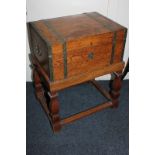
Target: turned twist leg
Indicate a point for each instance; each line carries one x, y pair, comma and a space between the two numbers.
53, 103
115, 89
37, 84
54, 111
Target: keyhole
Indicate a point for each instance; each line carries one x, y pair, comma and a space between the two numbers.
90, 55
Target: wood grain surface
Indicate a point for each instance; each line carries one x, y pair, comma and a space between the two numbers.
74, 45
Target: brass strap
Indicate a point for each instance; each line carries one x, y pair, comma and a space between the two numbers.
62, 40
124, 41
113, 48
109, 27
105, 25
50, 59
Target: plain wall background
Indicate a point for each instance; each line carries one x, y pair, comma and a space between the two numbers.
117, 10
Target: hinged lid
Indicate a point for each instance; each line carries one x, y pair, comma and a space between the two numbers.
70, 28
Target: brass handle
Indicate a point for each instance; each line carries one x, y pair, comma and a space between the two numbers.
37, 50
90, 55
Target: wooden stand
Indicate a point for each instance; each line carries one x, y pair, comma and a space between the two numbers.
50, 103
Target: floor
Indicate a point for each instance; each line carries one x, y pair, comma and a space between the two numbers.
103, 133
